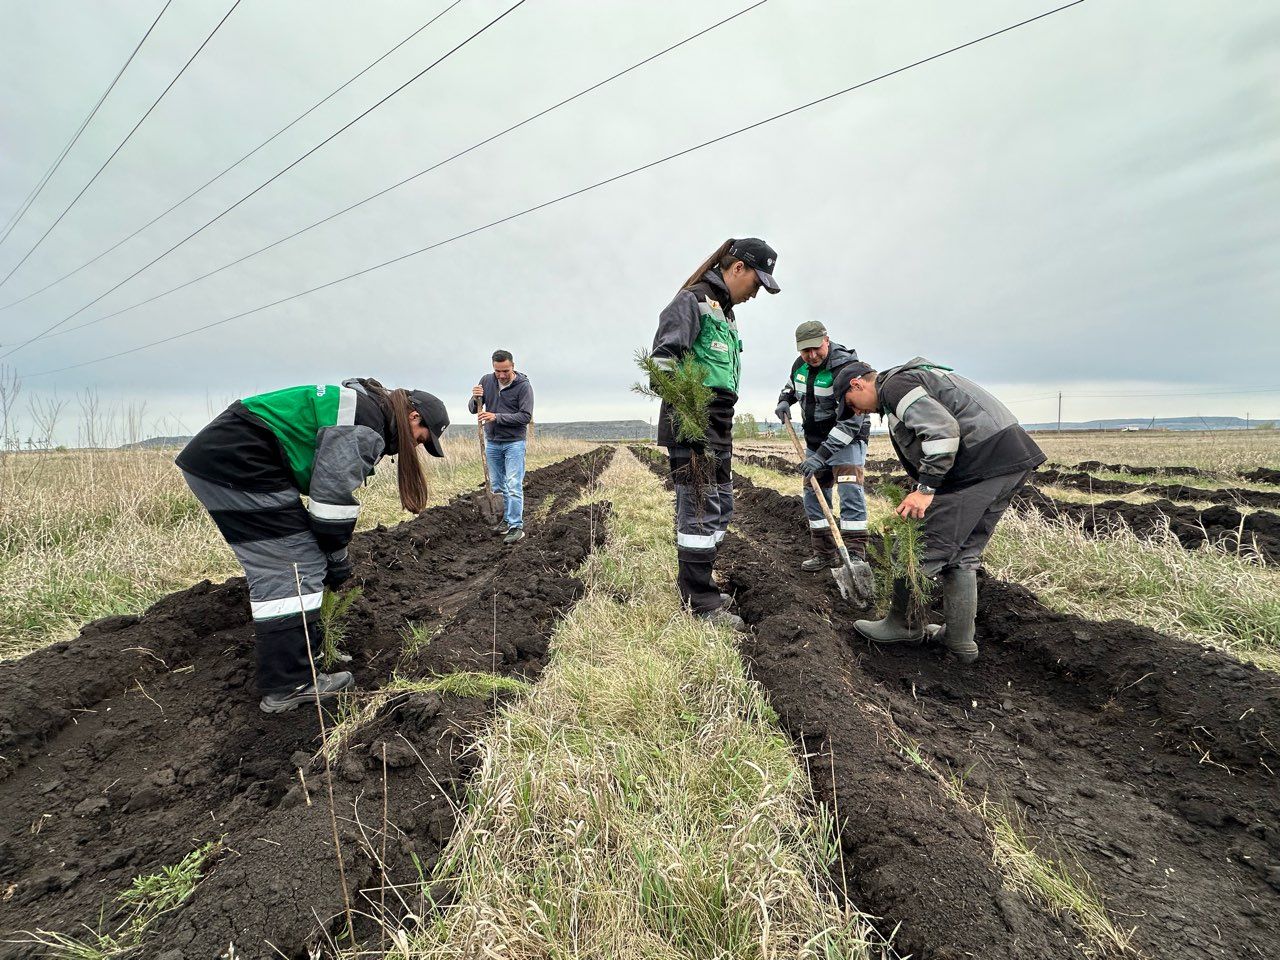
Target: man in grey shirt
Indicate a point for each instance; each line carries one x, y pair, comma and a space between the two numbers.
507, 399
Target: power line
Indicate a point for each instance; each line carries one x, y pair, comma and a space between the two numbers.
120, 146
16, 217
420, 173
224, 172
261, 186
566, 196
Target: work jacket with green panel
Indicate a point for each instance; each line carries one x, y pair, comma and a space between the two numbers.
322, 439
699, 321
826, 430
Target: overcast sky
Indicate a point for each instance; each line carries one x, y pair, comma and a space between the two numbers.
1088, 204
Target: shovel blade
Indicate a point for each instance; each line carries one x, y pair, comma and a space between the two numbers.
856, 582
489, 506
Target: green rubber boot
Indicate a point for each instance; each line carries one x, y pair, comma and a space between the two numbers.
960, 606
893, 628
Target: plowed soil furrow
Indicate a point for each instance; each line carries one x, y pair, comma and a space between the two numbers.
1237, 496
127, 747
1225, 525
1097, 466
1149, 761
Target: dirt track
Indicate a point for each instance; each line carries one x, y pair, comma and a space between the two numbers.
1146, 759
1222, 524
130, 745
1237, 496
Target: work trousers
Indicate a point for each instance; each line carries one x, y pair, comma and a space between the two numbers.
959, 523
271, 536
704, 507
842, 474
506, 473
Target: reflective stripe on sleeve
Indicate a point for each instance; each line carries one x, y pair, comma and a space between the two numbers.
333, 511
346, 407
267, 609
945, 445
840, 435
911, 397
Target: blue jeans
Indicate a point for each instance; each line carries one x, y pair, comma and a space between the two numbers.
506, 471
853, 502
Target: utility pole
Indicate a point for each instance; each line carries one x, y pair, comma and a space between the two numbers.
1059, 411
1246, 419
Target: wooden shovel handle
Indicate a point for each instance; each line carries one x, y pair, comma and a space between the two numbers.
822, 501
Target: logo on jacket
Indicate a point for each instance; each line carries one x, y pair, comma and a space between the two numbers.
719, 347
320, 388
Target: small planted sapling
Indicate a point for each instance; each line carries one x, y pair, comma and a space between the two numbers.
896, 560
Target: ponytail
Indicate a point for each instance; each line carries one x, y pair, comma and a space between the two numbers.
411, 476
720, 259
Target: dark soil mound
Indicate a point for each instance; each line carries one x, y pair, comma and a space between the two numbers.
126, 748
1231, 496
1097, 466
1223, 524
1262, 475
1146, 760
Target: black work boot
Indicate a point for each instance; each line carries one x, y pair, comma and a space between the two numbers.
825, 556
960, 607
894, 627
330, 685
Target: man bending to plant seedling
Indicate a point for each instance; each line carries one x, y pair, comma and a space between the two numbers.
968, 456
695, 368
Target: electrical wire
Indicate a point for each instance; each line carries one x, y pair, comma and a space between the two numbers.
16, 217
129, 135
271, 180
566, 196
401, 183
226, 170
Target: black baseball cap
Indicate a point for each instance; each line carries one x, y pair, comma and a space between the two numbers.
845, 376
760, 257
434, 417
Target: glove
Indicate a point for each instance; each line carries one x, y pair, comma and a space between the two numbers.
812, 464
783, 411
339, 571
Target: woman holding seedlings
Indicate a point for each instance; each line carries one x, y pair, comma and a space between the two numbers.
250, 466
700, 323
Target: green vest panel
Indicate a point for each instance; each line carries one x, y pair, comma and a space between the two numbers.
718, 348
296, 414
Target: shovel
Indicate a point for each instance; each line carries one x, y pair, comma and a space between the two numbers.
489, 504
855, 582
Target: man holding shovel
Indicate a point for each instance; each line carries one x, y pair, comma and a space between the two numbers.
503, 404
968, 456
837, 445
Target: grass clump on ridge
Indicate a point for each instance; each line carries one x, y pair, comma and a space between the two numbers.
640, 802
1223, 599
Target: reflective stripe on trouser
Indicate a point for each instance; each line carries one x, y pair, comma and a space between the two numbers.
703, 511
270, 533
959, 523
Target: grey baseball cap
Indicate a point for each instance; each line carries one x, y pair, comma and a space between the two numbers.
810, 334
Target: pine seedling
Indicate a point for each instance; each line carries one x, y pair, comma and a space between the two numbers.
682, 387
333, 623
896, 559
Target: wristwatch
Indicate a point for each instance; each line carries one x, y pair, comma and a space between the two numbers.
926, 490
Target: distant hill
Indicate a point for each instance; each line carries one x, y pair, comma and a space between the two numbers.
577, 430
1160, 423
597, 430
156, 443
